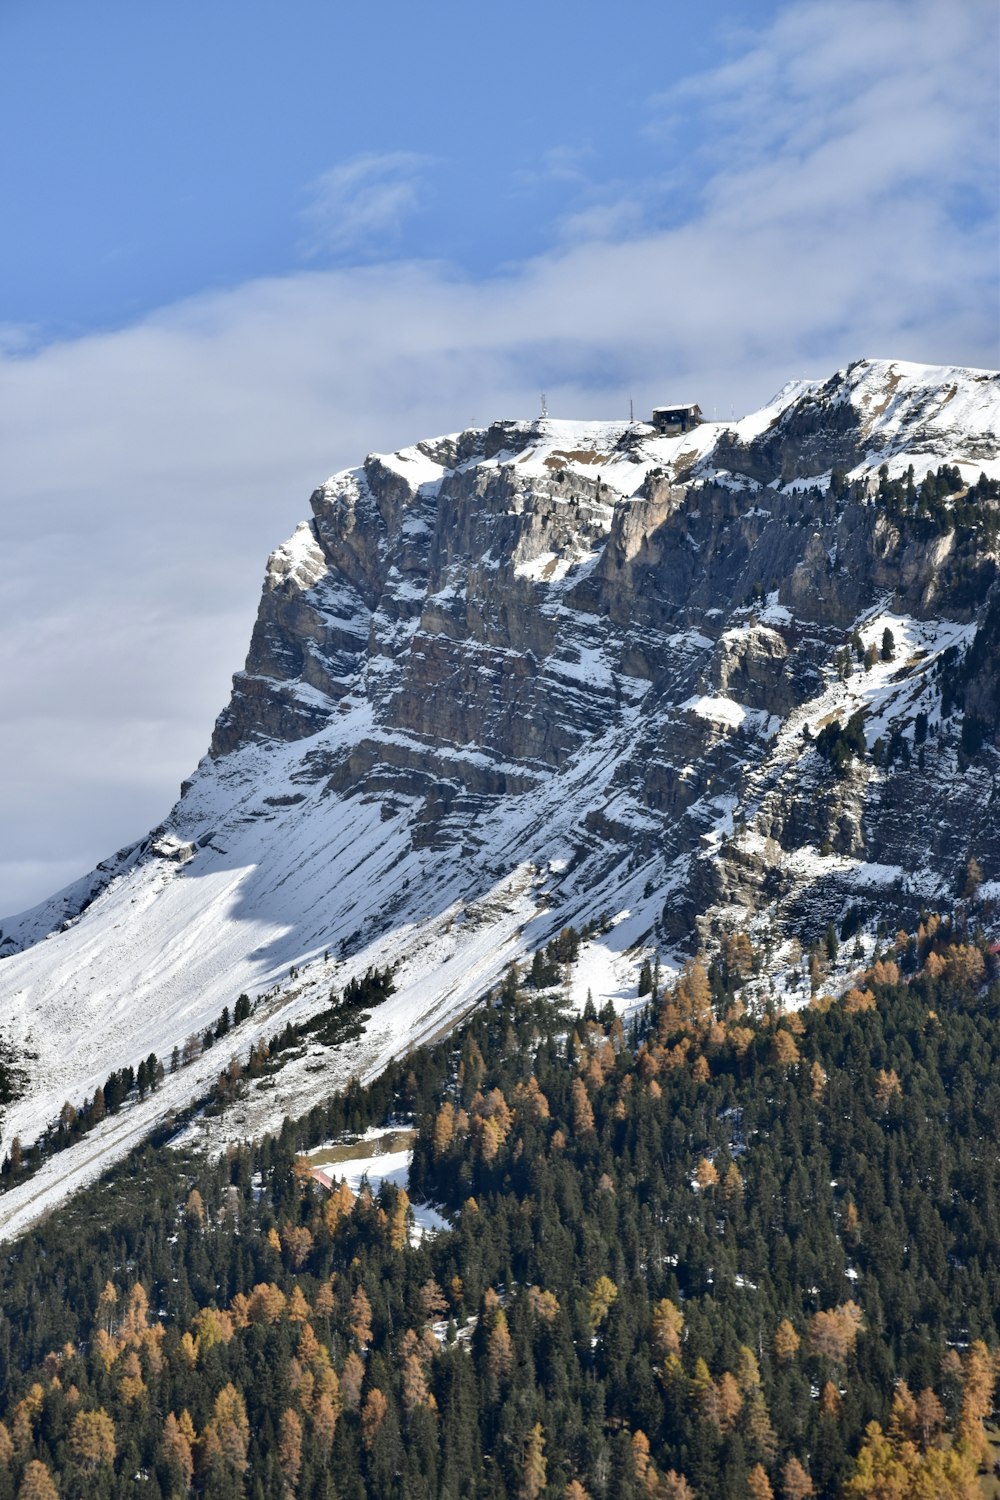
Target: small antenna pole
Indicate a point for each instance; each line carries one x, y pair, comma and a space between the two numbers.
631, 414
545, 409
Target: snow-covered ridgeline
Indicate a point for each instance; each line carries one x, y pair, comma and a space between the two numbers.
507, 680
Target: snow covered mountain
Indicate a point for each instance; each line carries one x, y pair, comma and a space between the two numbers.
539, 674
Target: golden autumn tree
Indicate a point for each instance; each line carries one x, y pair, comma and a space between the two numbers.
786, 1341
323, 1302
747, 1370
227, 1436
188, 1350
136, 1319
298, 1308
530, 1102
290, 1447
534, 1469
978, 1380
37, 1483
784, 1049
741, 1038
640, 1456
360, 1317
583, 1113
730, 1401
758, 1484
91, 1440
732, 1185
887, 1087
267, 1303
106, 1304
666, 1326
897, 1470
706, 1174
194, 1208
373, 1414
602, 1294
738, 954
693, 996
337, 1206
833, 1334
176, 1447
25, 1415
211, 1326
930, 1418
432, 1300
297, 1243
444, 1129
415, 1393
351, 1379
543, 1304
704, 1393
499, 1347
399, 1222
829, 1400
795, 1481
131, 1386
105, 1348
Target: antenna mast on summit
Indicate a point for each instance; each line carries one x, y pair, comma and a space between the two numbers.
545, 409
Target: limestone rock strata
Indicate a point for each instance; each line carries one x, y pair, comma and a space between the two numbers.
505, 598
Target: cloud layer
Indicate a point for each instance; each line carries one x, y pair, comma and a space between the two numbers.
834, 196
360, 205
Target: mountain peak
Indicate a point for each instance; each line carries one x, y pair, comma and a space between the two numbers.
551, 671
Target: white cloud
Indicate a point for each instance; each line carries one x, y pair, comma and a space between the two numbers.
562, 163
361, 204
842, 100
148, 471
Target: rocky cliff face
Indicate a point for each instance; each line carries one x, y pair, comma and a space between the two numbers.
507, 600
545, 671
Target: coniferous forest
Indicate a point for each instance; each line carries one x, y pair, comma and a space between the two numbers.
705, 1251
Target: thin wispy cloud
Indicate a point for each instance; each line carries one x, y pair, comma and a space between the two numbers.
361, 205
840, 211
564, 164
837, 104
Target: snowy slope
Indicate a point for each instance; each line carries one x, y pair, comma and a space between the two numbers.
510, 679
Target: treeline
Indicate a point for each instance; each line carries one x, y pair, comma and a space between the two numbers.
704, 1252
120, 1087
942, 502
342, 1021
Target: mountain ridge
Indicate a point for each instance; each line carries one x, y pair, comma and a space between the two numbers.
518, 677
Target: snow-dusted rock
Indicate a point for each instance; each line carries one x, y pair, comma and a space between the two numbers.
521, 676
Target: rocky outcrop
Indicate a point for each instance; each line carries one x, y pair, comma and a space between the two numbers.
505, 599
590, 638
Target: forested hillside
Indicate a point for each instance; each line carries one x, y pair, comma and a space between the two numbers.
697, 1252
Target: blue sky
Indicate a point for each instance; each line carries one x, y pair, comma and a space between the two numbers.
243, 244
155, 151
